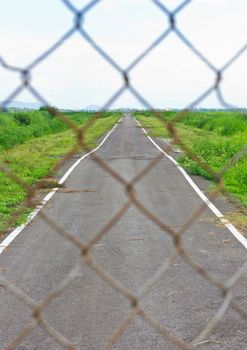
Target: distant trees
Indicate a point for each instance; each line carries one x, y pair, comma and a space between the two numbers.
51, 110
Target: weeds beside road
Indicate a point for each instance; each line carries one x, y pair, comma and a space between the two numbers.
215, 136
32, 157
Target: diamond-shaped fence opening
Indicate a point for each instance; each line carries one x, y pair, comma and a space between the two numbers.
82, 15
146, 77
97, 74
119, 46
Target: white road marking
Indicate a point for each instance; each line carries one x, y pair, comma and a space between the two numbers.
210, 205
6, 242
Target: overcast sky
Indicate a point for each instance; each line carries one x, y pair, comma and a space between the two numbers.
171, 76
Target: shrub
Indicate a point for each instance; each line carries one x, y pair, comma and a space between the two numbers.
22, 118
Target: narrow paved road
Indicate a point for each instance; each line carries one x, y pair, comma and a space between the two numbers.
88, 311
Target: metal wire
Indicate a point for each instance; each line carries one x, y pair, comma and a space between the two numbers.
226, 289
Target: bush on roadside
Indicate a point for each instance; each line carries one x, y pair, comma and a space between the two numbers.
22, 118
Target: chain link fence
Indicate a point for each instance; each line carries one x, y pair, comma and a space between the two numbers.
37, 309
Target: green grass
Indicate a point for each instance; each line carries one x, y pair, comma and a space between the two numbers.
215, 136
18, 127
33, 160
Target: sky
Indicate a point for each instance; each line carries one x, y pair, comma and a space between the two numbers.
171, 76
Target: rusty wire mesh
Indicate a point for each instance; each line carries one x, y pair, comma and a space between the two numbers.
37, 309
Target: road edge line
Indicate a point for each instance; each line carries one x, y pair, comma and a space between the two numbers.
11, 236
204, 198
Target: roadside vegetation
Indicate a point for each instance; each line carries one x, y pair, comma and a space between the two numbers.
31, 143
215, 136
17, 127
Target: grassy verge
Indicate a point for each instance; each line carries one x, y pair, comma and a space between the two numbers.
214, 136
34, 159
17, 127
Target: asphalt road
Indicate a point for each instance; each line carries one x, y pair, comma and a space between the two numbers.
88, 311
